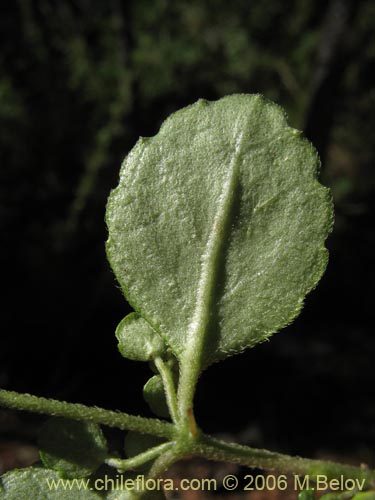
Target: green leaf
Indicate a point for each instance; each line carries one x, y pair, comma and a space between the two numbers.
73, 448
217, 227
154, 394
137, 340
35, 483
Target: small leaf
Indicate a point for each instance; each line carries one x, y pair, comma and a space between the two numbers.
35, 483
217, 227
154, 394
137, 340
74, 449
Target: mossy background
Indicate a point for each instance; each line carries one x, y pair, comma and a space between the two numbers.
79, 82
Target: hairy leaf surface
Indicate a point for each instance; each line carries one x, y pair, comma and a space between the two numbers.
153, 392
73, 448
35, 483
137, 340
217, 227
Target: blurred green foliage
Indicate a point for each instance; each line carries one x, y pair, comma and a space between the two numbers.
80, 80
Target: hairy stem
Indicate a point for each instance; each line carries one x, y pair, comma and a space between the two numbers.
169, 388
142, 458
202, 445
165, 460
16, 401
216, 449
160, 465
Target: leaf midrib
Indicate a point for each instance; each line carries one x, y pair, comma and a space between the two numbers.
191, 361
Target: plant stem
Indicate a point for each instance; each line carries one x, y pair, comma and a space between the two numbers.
14, 400
142, 458
169, 388
160, 465
165, 460
203, 445
216, 449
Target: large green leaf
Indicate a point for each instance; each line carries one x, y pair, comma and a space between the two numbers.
217, 227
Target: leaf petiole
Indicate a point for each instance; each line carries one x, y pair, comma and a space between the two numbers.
169, 388
131, 463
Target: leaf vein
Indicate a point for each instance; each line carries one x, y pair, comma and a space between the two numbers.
208, 275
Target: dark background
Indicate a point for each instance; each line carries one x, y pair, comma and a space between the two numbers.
79, 82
